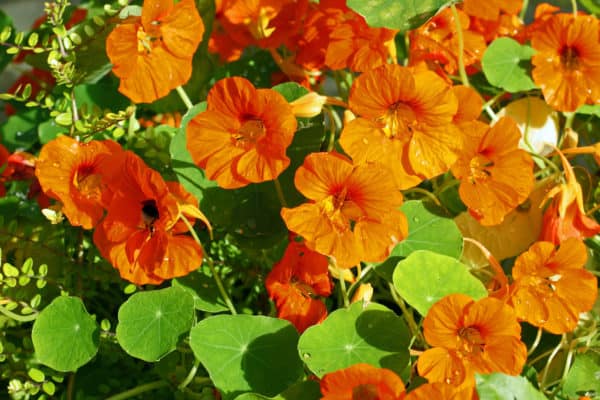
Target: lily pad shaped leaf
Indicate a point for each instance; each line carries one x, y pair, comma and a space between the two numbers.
371, 334
425, 277
307, 390
64, 335
503, 66
247, 353
498, 386
151, 322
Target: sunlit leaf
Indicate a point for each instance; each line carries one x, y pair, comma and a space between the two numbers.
498, 386
505, 65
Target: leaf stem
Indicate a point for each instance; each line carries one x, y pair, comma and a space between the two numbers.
408, 317
574, 5
184, 97
279, 191
146, 387
461, 47
343, 288
211, 265
190, 377
536, 342
332, 127
18, 317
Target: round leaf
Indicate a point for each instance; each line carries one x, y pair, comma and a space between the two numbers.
503, 65
151, 322
425, 277
374, 335
64, 335
394, 14
499, 386
203, 290
583, 375
244, 353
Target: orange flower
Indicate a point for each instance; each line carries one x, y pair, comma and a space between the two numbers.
405, 123
296, 281
437, 42
71, 172
243, 135
470, 337
551, 287
496, 176
152, 54
565, 217
141, 234
442, 391
567, 61
491, 9
364, 382
353, 212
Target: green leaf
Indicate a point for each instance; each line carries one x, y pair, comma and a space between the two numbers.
103, 94
506, 65
393, 14
593, 6
151, 322
49, 130
307, 390
291, 90
499, 386
36, 375
49, 388
426, 231
373, 334
584, 375
19, 132
204, 291
425, 277
589, 109
92, 60
5, 23
64, 335
244, 353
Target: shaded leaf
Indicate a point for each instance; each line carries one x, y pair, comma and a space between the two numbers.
584, 375
499, 386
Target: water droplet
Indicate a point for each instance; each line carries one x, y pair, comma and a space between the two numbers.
365, 140
18, 134
416, 219
158, 314
77, 327
306, 355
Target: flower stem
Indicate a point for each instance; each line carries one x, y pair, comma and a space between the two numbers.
332, 127
18, 317
408, 317
343, 289
574, 5
549, 362
524, 10
461, 47
190, 377
211, 265
280, 192
534, 346
146, 387
184, 97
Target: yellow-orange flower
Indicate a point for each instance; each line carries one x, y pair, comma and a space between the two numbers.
243, 135
405, 122
296, 281
71, 172
442, 391
551, 287
364, 382
496, 176
353, 212
152, 54
567, 60
470, 337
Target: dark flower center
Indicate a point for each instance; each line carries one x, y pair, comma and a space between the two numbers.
149, 213
366, 391
569, 57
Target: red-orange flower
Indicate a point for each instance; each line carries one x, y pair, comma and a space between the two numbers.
142, 234
352, 214
152, 54
406, 123
551, 287
496, 176
243, 135
442, 391
71, 172
491, 9
470, 337
567, 60
295, 283
364, 382
565, 216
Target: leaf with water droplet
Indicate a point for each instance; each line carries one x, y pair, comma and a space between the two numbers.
64, 335
151, 322
499, 386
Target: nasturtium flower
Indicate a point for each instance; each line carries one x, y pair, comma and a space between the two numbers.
491, 9
496, 176
362, 382
71, 172
442, 391
565, 217
352, 214
551, 286
567, 60
296, 282
405, 121
243, 135
142, 234
469, 337
152, 54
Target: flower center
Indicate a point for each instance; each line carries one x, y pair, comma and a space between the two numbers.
569, 57
88, 182
366, 391
399, 121
249, 133
149, 214
479, 167
259, 28
146, 40
305, 289
472, 342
